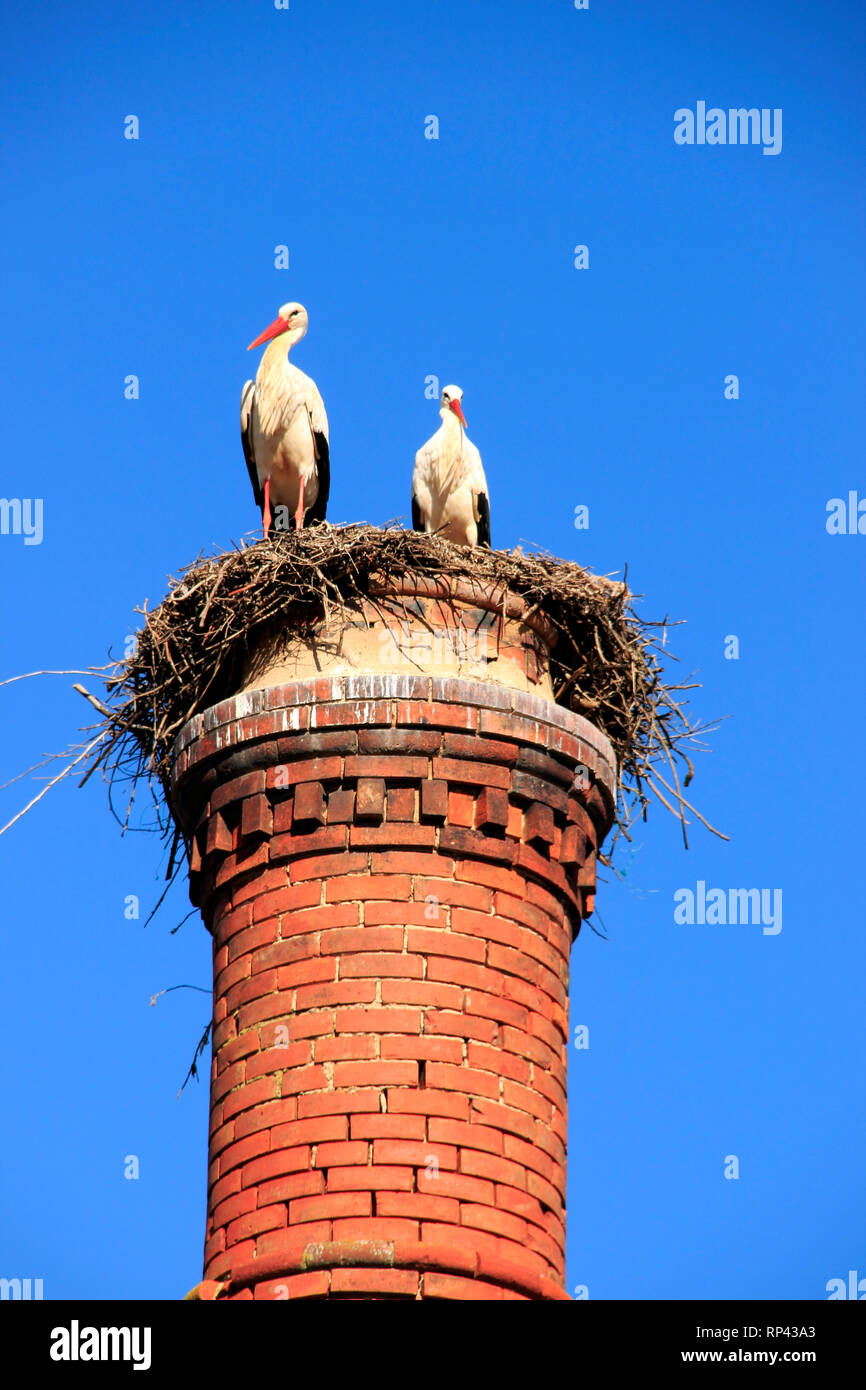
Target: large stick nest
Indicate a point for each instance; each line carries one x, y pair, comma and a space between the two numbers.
608, 664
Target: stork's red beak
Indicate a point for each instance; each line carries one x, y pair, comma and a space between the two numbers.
458, 411
272, 331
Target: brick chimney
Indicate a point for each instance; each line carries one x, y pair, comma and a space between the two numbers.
392, 832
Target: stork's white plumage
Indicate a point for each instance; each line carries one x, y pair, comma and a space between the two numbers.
284, 429
449, 489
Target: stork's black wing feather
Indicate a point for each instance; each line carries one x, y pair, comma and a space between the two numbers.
417, 522
317, 512
483, 519
247, 442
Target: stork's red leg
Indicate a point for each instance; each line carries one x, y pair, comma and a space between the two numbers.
299, 514
266, 510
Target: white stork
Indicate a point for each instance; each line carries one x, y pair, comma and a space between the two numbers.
284, 428
449, 489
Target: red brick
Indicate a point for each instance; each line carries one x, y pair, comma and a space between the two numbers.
377, 1228
456, 1185
330, 1206
250, 940
371, 1177
461, 808
255, 1222
344, 1152
219, 837
256, 817
545, 1193
309, 804
421, 992
352, 712
434, 800
388, 1126
400, 803
226, 924
418, 1155
341, 992
457, 771
274, 1165
427, 1101
379, 1020
341, 806
398, 741
313, 1131
230, 1208
245, 1097
466, 973
497, 1060
242, 1151
396, 834
314, 1284
348, 939
306, 972
473, 1136
325, 866
380, 964
418, 1206
464, 895
453, 1024
338, 1103
528, 1155
403, 914
444, 943
236, 789
376, 1073
340, 1049
497, 1169
422, 1049
392, 887
538, 824
502, 1117
437, 715
324, 918
467, 746
468, 1079
285, 1189
327, 769
455, 1288
487, 927
370, 798
498, 1222
520, 1202
390, 766
490, 1006
273, 1112
512, 962
309, 838
523, 1098
245, 991
225, 1187
375, 1281
491, 809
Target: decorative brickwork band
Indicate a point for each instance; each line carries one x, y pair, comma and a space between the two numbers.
393, 869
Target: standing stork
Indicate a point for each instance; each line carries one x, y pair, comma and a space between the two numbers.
449, 489
284, 428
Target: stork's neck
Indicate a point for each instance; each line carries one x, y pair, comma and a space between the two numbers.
278, 349
450, 422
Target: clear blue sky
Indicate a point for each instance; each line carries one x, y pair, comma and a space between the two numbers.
605, 387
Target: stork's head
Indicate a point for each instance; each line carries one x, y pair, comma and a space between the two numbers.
291, 319
450, 401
